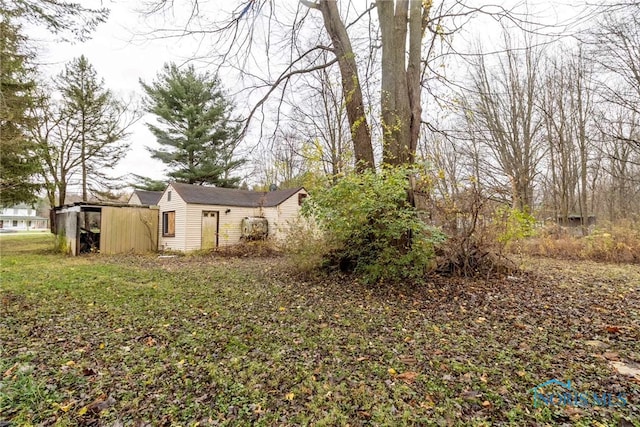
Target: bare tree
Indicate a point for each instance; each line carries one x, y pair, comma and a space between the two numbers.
57, 145
568, 111
320, 120
400, 37
616, 49
504, 112
619, 187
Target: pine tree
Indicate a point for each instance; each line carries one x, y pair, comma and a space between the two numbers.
17, 163
148, 184
97, 119
195, 129
61, 17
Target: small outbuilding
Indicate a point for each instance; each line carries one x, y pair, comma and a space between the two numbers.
144, 197
196, 217
575, 220
106, 228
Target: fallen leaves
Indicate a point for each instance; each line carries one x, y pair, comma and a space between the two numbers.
596, 343
470, 394
428, 403
10, 371
613, 329
627, 368
408, 377
227, 354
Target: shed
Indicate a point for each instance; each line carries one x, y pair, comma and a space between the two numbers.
107, 228
196, 217
144, 197
575, 220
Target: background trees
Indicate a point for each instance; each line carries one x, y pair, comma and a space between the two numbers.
17, 164
552, 130
63, 18
195, 126
80, 134
20, 157
97, 119
503, 102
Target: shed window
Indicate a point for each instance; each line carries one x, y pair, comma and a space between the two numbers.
169, 224
168, 196
301, 197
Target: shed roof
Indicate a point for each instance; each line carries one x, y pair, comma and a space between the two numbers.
202, 195
148, 197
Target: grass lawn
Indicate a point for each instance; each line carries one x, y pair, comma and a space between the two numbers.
206, 340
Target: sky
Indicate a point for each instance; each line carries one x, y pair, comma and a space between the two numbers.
122, 52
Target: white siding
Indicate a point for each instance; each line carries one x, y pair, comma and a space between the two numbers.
188, 232
135, 200
18, 212
228, 226
288, 213
178, 242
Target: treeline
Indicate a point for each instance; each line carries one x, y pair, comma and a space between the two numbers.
549, 125
69, 132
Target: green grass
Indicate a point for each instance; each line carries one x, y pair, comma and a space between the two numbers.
241, 341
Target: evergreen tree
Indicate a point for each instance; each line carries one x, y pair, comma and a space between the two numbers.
98, 122
145, 183
61, 17
17, 163
196, 131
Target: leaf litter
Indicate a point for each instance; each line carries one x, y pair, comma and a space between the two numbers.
281, 350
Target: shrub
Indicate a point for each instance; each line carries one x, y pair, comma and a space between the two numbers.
477, 237
513, 224
620, 243
372, 229
306, 246
61, 245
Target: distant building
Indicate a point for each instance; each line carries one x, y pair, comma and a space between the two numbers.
22, 218
143, 197
576, 220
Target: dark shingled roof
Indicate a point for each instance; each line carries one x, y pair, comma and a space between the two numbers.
201, 195
148, 197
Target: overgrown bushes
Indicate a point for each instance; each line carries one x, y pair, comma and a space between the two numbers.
364, 224
371, 229
619, 243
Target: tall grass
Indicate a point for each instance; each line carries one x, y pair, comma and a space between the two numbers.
618, 243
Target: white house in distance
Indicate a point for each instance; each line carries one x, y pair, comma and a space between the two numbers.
22, 218
196, 217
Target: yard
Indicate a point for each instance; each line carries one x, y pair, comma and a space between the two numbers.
210, 340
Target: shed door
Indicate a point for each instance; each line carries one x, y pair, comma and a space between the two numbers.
209, 229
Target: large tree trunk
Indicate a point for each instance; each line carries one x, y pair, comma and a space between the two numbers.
401, 90
363, 148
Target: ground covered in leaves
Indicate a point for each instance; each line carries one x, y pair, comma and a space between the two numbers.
209, 340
